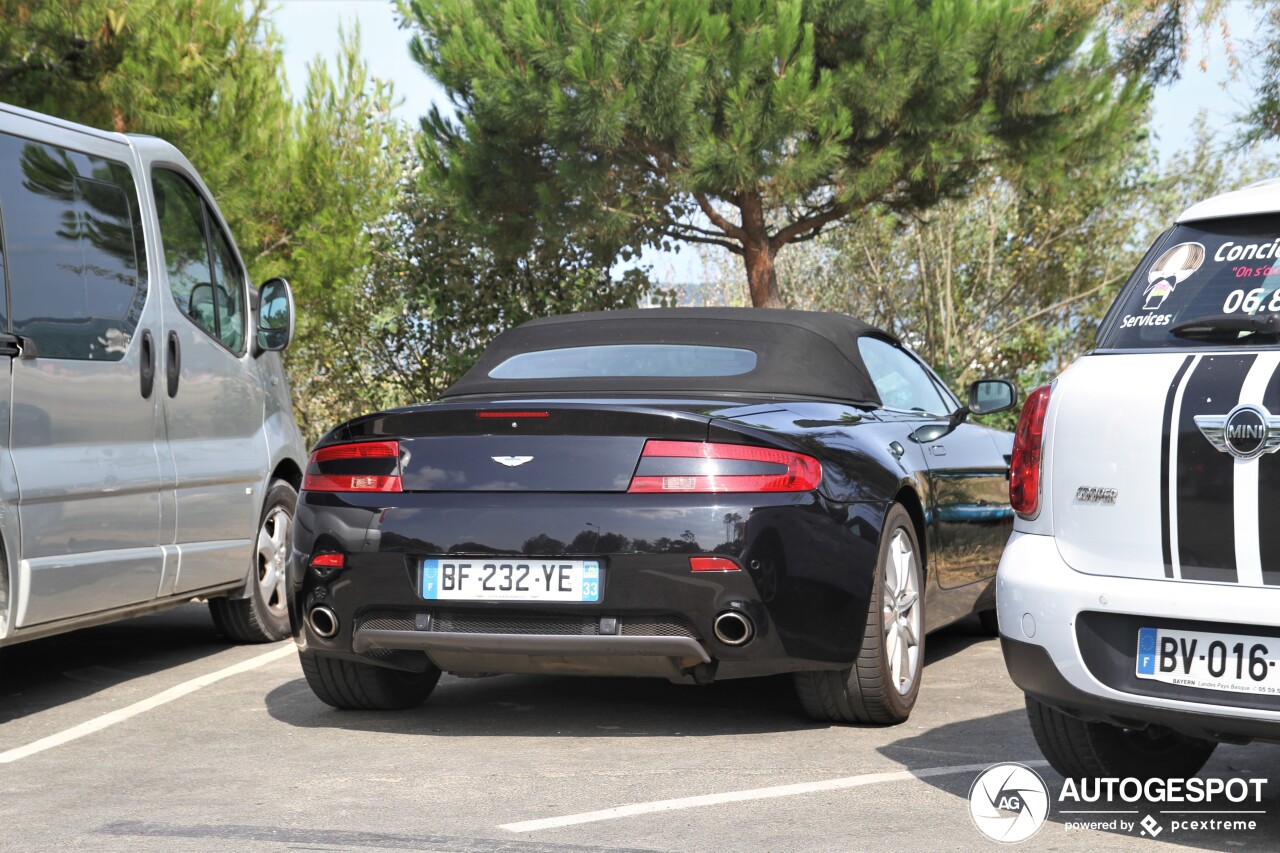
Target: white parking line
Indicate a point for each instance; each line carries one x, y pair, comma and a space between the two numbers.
110, 719
753, 794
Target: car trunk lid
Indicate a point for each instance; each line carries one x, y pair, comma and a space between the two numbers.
1139, 488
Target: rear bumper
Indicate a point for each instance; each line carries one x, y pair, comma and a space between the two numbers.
1069, 641
804, 582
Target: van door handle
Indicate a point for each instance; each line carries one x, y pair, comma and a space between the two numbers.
148, 366
173, 363
17, 345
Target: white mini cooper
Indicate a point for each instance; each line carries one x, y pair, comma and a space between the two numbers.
1139, 595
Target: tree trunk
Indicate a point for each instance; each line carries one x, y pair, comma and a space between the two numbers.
762, 277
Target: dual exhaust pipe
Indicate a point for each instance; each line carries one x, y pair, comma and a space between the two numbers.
322, 621
734, 628
731, 627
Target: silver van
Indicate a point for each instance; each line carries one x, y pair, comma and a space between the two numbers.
148, 451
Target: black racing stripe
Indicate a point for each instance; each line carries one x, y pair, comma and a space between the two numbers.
1269, 495
1165, 533
1205, 484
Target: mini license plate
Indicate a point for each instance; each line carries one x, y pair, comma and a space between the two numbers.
1209, 661
519, 579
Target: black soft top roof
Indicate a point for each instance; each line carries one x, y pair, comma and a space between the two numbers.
802, 353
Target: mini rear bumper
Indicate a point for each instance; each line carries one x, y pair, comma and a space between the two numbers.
1069, 639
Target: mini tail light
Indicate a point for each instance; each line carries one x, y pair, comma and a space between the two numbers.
366, 466
713, 564
1028, 441
698, 466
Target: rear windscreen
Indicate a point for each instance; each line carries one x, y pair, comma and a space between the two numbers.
1198, 270
672, 360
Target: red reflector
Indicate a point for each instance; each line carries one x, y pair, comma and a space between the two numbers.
803, 473
1028, 442
516, 415
713, 564
328, 561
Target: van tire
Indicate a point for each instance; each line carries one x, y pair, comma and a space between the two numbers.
352, 686
1080, 750
263, 615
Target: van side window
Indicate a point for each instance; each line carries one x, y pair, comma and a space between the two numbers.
204, 277
76, 256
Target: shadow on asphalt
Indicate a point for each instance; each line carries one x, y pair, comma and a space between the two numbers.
42, 674
561, 706
1007, 738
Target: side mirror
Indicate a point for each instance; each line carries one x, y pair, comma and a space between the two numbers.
988, 396
275, 315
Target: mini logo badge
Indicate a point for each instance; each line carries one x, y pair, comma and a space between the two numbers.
1246, 432
1009, 802
511, 461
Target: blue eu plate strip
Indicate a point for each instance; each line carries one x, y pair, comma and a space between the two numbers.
1146, 651
431, 579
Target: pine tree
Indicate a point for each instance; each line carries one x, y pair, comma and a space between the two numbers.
753, 124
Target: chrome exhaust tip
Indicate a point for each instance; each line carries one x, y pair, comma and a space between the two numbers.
733, 628
323, 621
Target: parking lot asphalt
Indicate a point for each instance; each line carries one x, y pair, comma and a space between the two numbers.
153, 734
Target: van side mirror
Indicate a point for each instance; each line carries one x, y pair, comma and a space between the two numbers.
988, 396
275, 315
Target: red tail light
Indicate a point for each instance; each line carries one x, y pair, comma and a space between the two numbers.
1024, 470
366, 466
713, 564
697, 466
513, 415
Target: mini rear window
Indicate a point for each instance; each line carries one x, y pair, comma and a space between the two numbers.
647, 360
1199, 270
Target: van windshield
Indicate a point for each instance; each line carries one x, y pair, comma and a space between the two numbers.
1221, 271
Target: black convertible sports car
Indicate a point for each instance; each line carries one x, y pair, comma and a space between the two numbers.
687, 493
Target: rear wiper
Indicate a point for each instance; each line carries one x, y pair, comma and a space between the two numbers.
1218, 325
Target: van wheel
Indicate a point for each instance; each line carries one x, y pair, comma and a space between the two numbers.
1080, 750
882, 685
351, 686
263, 616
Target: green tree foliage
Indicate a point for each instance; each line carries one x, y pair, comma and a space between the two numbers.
1002, 283
754, 124
299, 184
436, 300
1262, 120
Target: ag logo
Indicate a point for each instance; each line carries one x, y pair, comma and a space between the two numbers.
1009, 802
1246, 432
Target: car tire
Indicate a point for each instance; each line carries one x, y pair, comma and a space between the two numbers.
990, 622
351, 686
1080, 750
876, 689
263, 616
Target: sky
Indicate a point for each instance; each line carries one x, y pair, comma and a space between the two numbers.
311, 27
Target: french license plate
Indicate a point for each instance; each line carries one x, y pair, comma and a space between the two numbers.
1209, 661
518, 579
